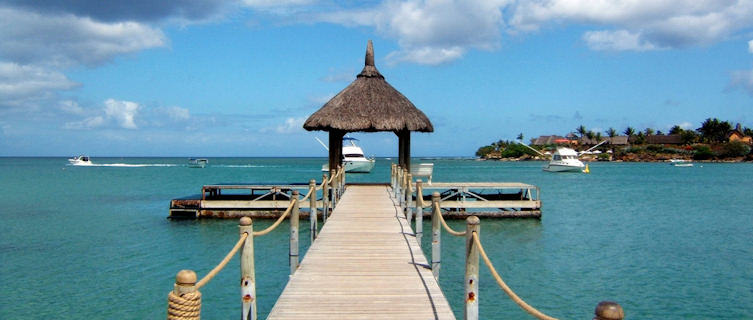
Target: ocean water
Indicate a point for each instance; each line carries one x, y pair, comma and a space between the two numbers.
94, 242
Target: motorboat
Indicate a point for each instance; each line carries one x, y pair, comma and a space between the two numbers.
353, 158
680, 163
81, 160
197, 162
565, 160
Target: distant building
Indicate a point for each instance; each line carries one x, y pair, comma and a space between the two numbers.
545, 140
664, 139
738, 135
618, 140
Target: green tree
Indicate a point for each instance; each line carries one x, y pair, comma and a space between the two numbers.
649, 131
520, 137
735, 149
713, 130
676, 130
611, 132
629, 131
581, 130
484, 151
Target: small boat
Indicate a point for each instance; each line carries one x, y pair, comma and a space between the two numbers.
197, 163
81, 160
680, 163
565, 160
353, 158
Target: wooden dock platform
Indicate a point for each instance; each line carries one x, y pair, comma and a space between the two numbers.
365, 264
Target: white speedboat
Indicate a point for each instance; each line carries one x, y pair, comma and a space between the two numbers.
81, 160
197, 163
353, 158
681, 163
565, 160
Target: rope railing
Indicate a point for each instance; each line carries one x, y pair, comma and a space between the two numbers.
605, 310
222, 263
515, 298
184, 301
277, 223
446, 227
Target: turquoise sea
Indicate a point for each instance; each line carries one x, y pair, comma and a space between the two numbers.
665, 242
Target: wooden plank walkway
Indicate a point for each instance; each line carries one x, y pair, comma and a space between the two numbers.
365, 264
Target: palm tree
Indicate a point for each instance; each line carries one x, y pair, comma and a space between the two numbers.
581, 130
520, 137
649, 131
675, 130
629, 131
611, 132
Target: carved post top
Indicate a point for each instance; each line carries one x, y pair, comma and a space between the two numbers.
608, 310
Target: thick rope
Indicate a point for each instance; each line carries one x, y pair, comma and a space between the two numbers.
277, 223
444, 224
185, 307
222, 264
307, 195
531, 310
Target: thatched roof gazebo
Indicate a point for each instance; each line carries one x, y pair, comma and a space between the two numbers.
368, 104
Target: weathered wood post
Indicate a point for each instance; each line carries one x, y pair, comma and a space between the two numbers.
392, 178
608, 310
436, 235
248, 273
398, 183
408, 197
184, 302
325, 198
342, 181
419, 212
294, 233
312, 209
471, 268
333, 187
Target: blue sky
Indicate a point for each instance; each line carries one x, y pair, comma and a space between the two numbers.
238, 78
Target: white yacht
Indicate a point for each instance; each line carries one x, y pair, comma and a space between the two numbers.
81, 160
565, 160
353, 158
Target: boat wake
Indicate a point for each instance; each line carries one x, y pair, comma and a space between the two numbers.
125, 165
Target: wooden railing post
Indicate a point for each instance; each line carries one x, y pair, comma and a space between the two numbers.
436, 235
325, 198
408, 197
294, 233
342, 180
608, 310
419, 212
184, 302
333, 187
471, 269
248, 273
398, 183
312, 209
392, 178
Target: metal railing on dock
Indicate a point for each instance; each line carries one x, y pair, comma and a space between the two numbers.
184, 302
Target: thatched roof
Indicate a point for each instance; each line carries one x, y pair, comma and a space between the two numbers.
369, 104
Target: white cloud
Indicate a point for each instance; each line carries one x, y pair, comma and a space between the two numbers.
71, 107
123, 112
177, 113
32, 38
750, 46
22, 84
619, 40
686, 125
640, 24
429, 32
291, 125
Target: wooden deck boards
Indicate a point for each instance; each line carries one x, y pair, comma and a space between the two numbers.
363, 267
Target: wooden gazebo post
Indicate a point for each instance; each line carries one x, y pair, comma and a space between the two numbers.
335, 148
404, 148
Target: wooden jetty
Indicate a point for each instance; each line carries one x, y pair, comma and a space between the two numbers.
363, 265
459, 200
